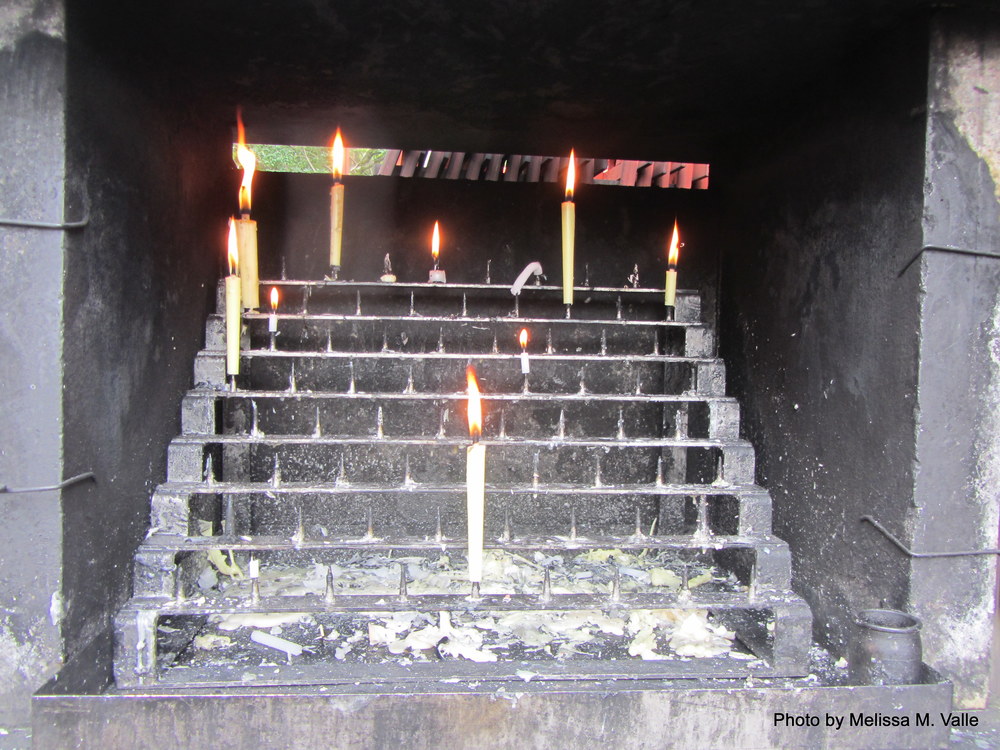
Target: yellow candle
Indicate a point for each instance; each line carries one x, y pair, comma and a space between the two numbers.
568, 231
475, 481
246, 229
233, 309
670, 288
337, 202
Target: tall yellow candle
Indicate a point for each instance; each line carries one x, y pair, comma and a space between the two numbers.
670, 287
568, 231
233, 310
246, 228
475, 481
336, 204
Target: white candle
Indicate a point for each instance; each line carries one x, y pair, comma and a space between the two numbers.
233, 303
670, 288
272, 319
254, 567
437, 275
475, 480
523, 338
273, 641
246, 228
568, 232
337, 201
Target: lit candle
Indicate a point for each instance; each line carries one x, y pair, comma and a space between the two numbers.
437, 275
670, 293
568, 231
233, 305
272, 319
336, 204
246, 228
523, 338
475, 482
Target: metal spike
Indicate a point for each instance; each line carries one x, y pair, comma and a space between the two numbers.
517, 306
179, 593
350, 385
407, 477
272, 345
300, 531
292, 385
638, 384
255, 590
616, 585
638, 521
489, 262
660, 480
341, 474
329, 339
378, 423
604, 342
569, 310
598, 480
503, 424
618, 307
586, 274
548, 342
305, 300
572, 523
357, 306
561, 427
276, 474
475, 595
703, 530
465, 307
546, 587
525, 386
402, 583
685, 576
229, 516
506, 535
208, 472
328, 592
634, 276
370, 532
283, 277
439, 531
656, 344
621, 424
413, 310
409, 381
720, 471
232, 383
583, 381
385, 341
496, 349
254, 424
441, 341
318, 429
534, 471
442, 422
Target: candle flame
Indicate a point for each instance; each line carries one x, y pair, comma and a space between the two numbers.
674, 247
337, 156
475, 405
247, 160
571, 175
523, 338
274, 298
234, 253
436, 241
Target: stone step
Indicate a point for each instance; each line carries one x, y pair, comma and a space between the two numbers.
424, 334
480, 300
243, 508
430, 415
603, 462
341, 372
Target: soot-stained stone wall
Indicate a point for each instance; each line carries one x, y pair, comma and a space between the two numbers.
820, 331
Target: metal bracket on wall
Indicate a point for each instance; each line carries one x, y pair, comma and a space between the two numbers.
5, 490
888, 535
65, 226
940, 249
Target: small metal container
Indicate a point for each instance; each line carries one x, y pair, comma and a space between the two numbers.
887, 650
